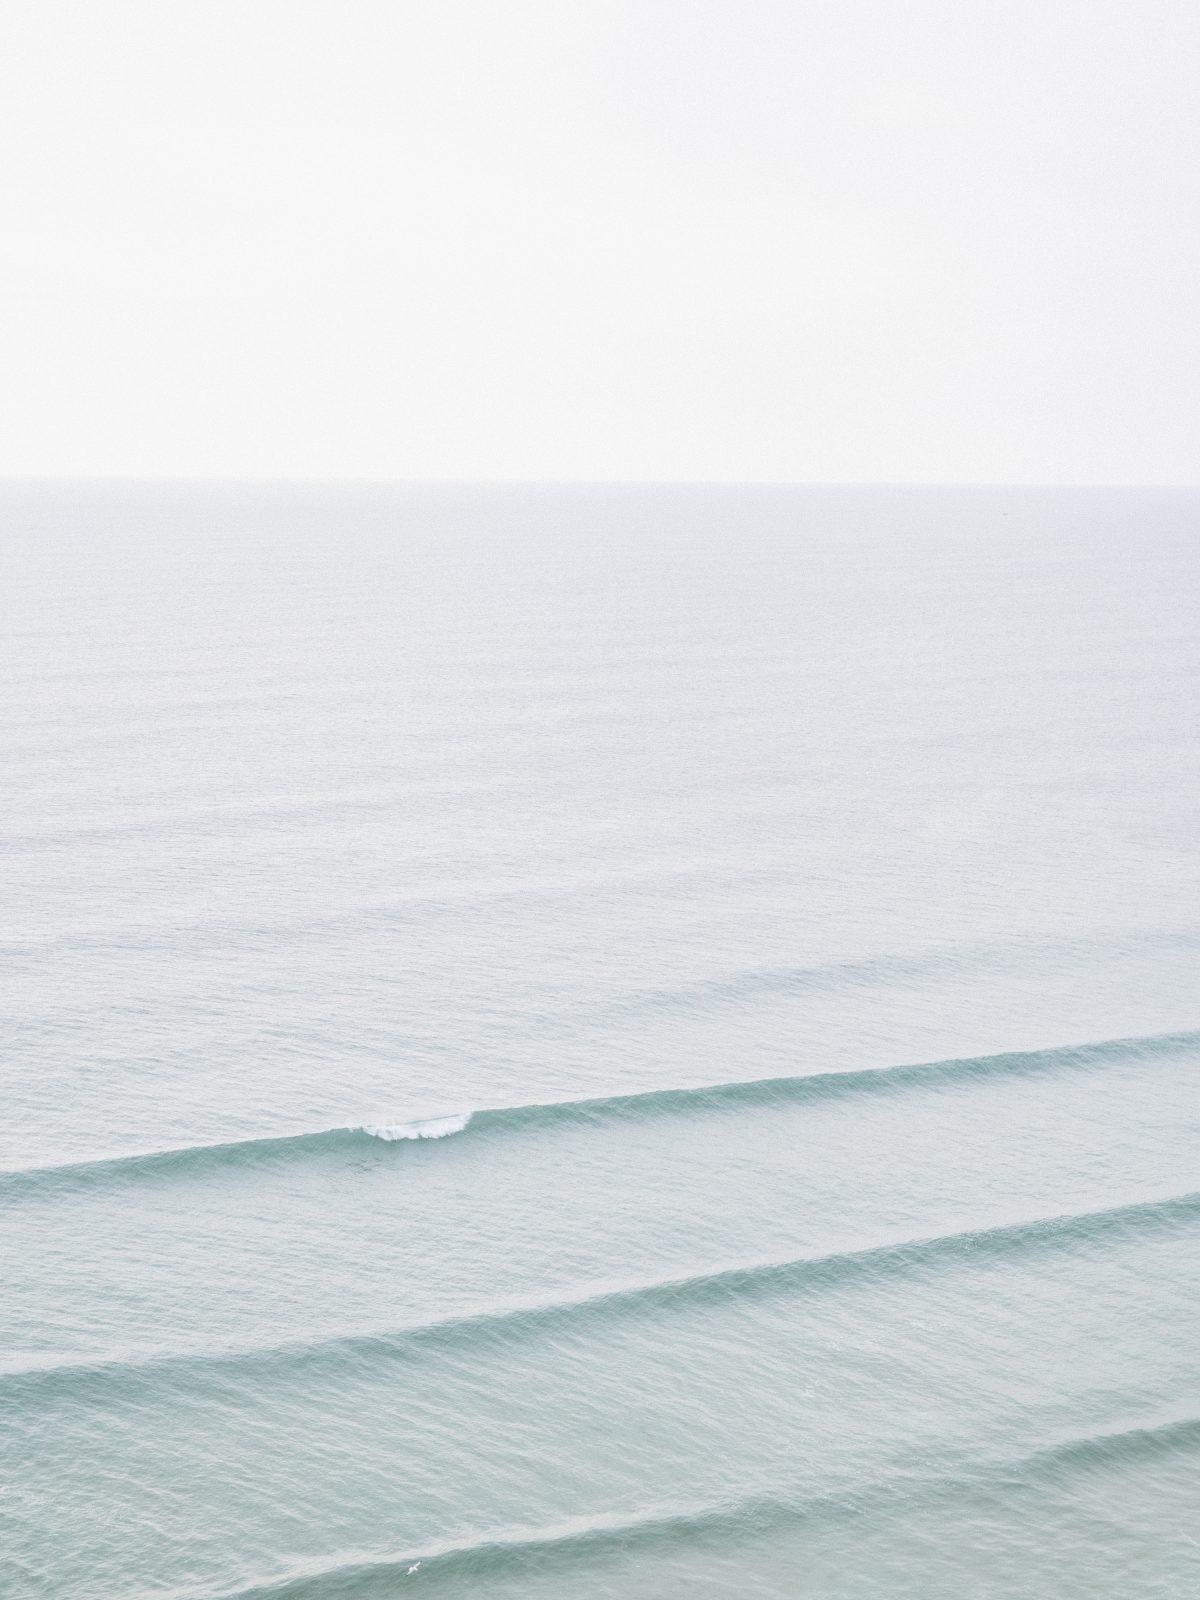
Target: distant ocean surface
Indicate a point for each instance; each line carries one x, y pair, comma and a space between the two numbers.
610, 1043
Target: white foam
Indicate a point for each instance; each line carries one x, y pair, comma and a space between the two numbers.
431, 1128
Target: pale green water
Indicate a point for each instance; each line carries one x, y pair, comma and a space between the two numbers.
798, 889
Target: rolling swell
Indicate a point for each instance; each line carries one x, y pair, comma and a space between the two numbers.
184, 1160
189, 1159
503, 1552
1127, 1444
506, 1553
342, 1354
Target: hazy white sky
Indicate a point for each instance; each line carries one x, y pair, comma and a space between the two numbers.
780, 239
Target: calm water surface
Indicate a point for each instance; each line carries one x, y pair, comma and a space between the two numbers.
599, 1042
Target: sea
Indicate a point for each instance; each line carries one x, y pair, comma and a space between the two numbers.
599, 1042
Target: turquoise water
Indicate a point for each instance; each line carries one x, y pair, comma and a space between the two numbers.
599, 1042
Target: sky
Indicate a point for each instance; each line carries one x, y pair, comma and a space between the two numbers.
781, 240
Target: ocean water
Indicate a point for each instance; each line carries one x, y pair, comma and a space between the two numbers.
599, 1042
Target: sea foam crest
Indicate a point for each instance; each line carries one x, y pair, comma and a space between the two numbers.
430, 1128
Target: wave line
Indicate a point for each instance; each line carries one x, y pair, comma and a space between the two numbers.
801, 1089
508, 1550
813, 1273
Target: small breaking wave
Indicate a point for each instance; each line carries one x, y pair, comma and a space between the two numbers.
430, 1128
607, 1109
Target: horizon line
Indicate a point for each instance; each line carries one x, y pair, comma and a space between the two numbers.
383, 481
